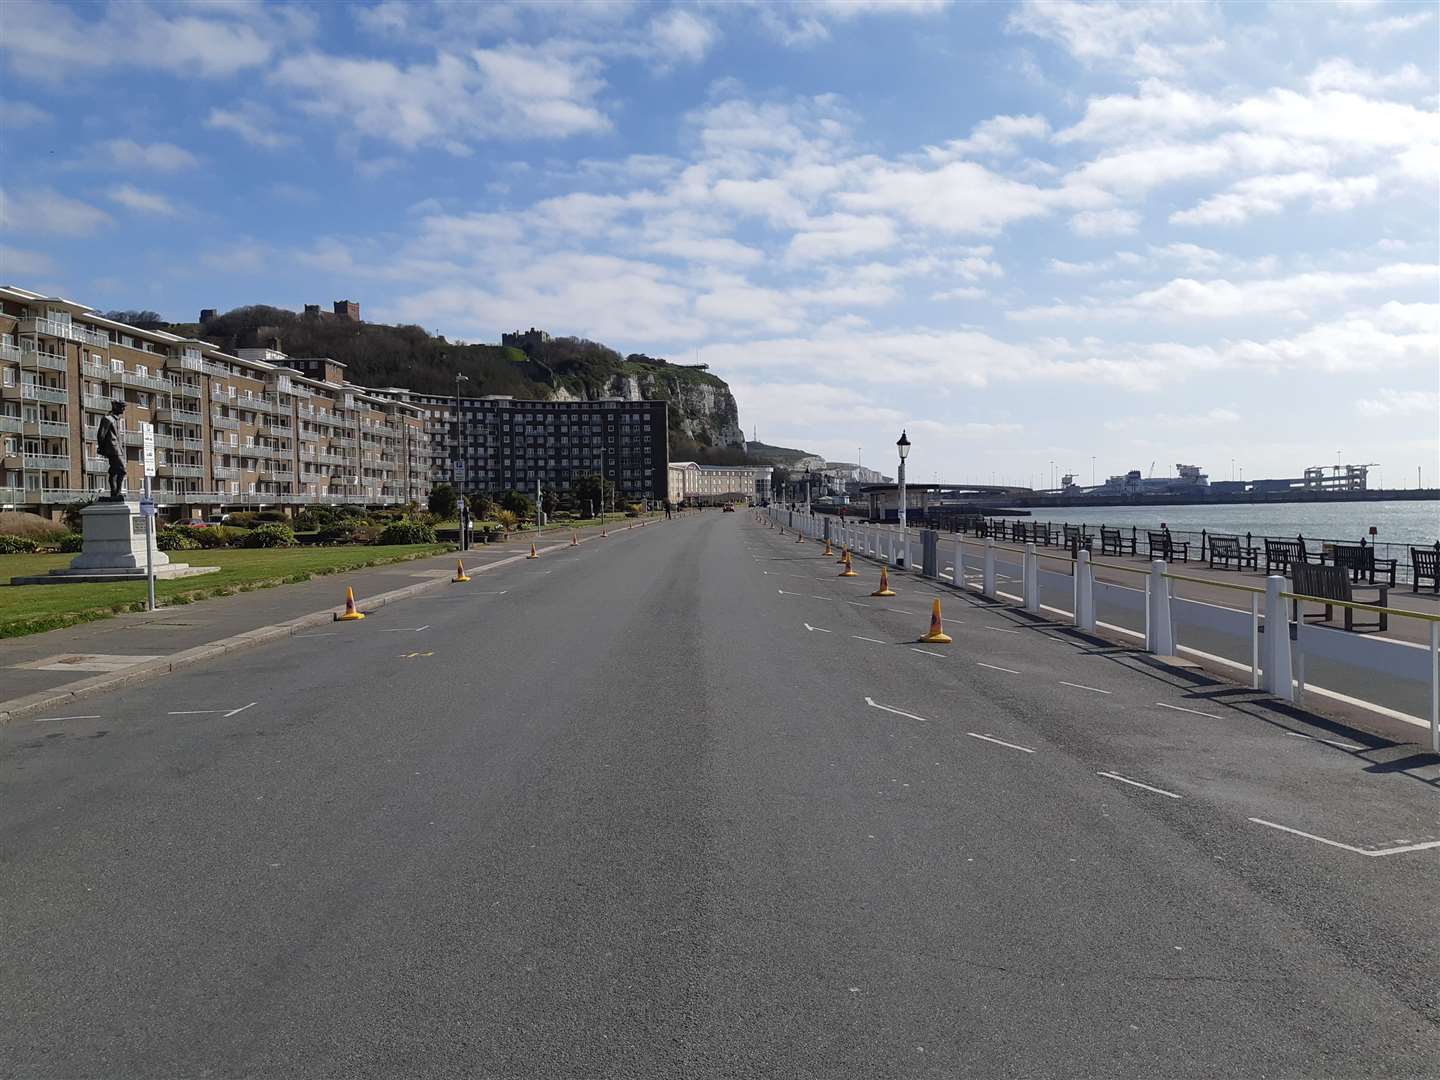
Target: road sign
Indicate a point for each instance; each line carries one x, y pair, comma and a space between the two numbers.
147, 506
147, 435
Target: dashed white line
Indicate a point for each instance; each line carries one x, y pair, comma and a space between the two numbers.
994, 667
1350, 847
1192, 712
873, 641
1001, 630
191, 712
820, 628
1082, 686
50, 719
927, 652
1137, 783
242, 708
1000, 742
898, 712
1328, 742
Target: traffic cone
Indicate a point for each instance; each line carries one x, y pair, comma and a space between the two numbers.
574, 538
844, 555
827, 550
799, 538
351, 612
533, 553
849, 570
937, 635
460, 574
884, 589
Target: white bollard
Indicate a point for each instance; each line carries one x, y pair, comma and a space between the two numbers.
890, 547
1030, 577
1084, 593
958, 569
1160, 633
988, 582
1278, 678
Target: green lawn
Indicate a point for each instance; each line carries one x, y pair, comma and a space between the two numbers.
29, 609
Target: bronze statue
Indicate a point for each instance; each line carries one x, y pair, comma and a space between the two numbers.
107, 441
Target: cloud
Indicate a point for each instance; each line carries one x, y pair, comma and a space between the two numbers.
840, 236
21, 114
1388, 402
144, 202
1104, 223
1339, 73
681, 34
26, 264
959, 197
1156, 39
44, 210
1169, 421
997, 135
807, 24
253, 123
1271, 194
1398, 24
132, 156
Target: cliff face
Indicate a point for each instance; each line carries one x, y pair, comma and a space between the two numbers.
702, 409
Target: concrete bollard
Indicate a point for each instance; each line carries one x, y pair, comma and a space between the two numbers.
1276, 653
1159, 632
988, 583
1030, 577
1084, 592
958, 567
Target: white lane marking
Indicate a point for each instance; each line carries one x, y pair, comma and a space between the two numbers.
1350, 847
49, 719
1001, 630
927, 652
191, 712
993, 667
327, 634
1082, 686
873, 641
1329, 742
856, 603
401, 630
1136, 783
425, 627
241, 709
1192, 712
814, 597
1000, 742
898, 712
820, 628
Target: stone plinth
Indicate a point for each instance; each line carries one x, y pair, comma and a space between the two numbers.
114, 550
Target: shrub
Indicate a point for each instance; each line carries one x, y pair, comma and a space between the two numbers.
408, 532
518, 504
443, 501
219, 536
272, 515
271, 534
243, 519
72, 542
18, 523
175, 538
508, 519
72, 513
348, 532
17, 545
633, 509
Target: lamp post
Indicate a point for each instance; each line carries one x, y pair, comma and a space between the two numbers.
903, 445
807, 490
457, 465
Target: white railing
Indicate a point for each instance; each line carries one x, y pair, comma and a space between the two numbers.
97, 402
173, 469
34, 392
46, 461
96, 465
229, 423
48, 360
10, 423
68, 330
13, 354
149, 382
179, 413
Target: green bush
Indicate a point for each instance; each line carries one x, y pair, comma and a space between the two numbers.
242, 519
71, 542
277, 516
272, 534
17, 545
348, 532
408, 532
72, 513
507, 519
175, 538
219, 536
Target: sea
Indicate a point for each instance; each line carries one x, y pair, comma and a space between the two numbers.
1400, 523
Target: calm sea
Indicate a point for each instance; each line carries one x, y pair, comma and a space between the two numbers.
1395, 522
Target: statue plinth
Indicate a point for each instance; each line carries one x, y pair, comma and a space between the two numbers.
114, 550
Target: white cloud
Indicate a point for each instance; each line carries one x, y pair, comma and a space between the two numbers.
44, 210
253, 123
1271, 194
997, 135
144, 202
1398, 24
1218, 417
21, 114
1338, 73
21, 263
1157, 39
1389, 402
1104, 223
959, 197
681, 34
840, 236
158, 157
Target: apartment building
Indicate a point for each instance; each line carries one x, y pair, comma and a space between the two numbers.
497, 444
690, 482
257, 429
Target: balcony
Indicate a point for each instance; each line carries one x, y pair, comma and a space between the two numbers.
224, 472
184, 389
191, 363
47, 429
227, 423
270, 472
96, 402
172, 469
10, 352
271, 427
177, 414
193, 445
48, 360
148, 382
94, 371
28, 391
11, 424
67, 330
96, 465
136, 438
47, 461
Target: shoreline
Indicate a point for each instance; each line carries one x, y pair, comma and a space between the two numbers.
1255, 498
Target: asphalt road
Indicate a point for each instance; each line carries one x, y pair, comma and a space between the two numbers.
683, 803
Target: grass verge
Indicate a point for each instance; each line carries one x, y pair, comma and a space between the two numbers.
33, 609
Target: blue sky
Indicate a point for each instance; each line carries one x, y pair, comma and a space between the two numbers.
1029, 233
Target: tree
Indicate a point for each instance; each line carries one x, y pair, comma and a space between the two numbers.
137, 318
592, 492
519, 505
443, 502
550, 501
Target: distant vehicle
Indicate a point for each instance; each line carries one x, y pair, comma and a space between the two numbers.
729, 508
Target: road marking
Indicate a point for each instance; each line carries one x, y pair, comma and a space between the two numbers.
898, 712
856, 603
873, 641
404, 629
191, 712
425, 627
814, 597
49, 719
413, 655
1192, 712
1330, 742
999, 742
927, 652
1082, 686
993, 667
820, 628
241, 709
1001, 630
1136, 783
327, 634
1349, 847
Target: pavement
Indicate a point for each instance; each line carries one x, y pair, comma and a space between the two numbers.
683, 803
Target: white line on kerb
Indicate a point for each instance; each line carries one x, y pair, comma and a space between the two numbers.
1136, 783
1350, 847
1082, 686
999, 742
873, 641
898, 712
994, 667
1328, 742
1192, 712
927, 652
48, 719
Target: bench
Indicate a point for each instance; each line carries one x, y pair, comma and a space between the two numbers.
1332, 583
1229, 549
1359, 559
1163, 547
1113, 542
1075, 537
1425, 563
1279, 554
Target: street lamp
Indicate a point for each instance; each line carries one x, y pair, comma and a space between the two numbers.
903, 445
458, 463
807, 489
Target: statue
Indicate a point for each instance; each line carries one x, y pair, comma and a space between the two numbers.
107, 441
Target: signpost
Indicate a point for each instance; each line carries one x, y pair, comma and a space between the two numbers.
147, 511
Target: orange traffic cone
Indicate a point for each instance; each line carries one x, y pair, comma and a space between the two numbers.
844, 555
827, 550
936, 635
884, 589
460, 574
799, 538
849, 570
574, 538
533, 553
351, 611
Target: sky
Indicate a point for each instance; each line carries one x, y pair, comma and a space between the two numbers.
1039, 237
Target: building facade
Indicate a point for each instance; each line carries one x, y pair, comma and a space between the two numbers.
689, 482
497, 444
257, 429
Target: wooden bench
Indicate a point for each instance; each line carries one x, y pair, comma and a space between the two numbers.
1279, 554
1163, 547
1360, 561
1425, 563
1075, 537
1229, 549
1332, 583
1114, 542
